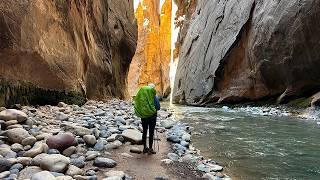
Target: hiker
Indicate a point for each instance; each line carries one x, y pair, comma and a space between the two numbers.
146, 105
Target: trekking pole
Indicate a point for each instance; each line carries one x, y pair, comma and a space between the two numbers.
156, 141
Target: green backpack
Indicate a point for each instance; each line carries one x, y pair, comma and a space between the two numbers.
144, 102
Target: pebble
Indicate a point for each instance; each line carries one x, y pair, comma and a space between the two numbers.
79, 162
37, 149
112, 138
36, 160
16, 147
4, 174
64, 178
135, 150
5, 165
29, 141
113, 173
11, 122
112, 178
173, 156
74, 170
91, 155
126, 155
69, 151
53, 151
90, 140
99, 146
55, 163
79, 177
167, 124
25, 161
43, 136
104, 162
27, 172
17, 166
77, 130
166, 161
43, 175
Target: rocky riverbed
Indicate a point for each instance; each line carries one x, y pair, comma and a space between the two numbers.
70, 142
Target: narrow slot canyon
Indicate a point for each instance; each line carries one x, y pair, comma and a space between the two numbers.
152, 60
159, 89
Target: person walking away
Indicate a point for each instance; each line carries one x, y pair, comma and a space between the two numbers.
146, 105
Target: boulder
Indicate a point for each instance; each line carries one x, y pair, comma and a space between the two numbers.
13, 114
61, 141
17, 135
55, 163
132, 135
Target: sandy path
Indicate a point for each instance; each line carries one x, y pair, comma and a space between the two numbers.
143, 166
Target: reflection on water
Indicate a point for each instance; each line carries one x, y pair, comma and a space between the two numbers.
257, 142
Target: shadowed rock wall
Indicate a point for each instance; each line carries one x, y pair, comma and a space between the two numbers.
65, 48
249, 50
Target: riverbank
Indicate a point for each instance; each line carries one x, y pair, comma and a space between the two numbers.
95, 141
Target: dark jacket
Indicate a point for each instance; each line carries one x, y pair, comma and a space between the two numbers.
156, 103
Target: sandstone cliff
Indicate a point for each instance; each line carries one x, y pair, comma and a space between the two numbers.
152, 58
65, 49
249, 50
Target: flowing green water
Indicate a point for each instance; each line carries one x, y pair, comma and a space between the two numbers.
256, 143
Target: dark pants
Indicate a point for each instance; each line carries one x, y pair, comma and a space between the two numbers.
150, 123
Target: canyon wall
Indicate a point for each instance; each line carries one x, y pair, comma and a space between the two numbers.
249, 50
65, 50
152, 58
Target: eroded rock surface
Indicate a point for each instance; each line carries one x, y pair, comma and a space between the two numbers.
52, 51
248, 50
151, 61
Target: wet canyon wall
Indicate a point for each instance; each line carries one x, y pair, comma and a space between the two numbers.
249, 50
65, 50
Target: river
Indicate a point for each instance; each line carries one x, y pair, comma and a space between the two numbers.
256, 142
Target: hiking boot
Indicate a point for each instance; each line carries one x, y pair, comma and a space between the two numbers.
151, 151
145, 150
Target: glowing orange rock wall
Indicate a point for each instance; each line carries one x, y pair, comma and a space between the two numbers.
152, 58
